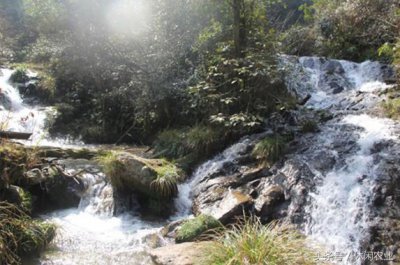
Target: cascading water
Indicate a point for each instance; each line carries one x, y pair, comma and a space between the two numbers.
338, 211
15, 115
337, 215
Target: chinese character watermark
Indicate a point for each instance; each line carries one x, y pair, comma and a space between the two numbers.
354, 256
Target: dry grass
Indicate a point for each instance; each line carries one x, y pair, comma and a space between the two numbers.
20, 235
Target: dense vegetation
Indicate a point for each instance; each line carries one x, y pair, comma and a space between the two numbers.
125, 71
186, 77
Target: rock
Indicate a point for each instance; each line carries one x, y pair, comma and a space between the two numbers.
54, 186
388, 74
135, 174
336, 88
332, 67
5, 102
233, 204
180, 254
270, 197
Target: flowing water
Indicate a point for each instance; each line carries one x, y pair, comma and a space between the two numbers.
337, 214
339, 209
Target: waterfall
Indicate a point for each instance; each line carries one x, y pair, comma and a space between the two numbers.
338, 212
213, 166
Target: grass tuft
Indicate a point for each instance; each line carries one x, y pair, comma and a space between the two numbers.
20, 235
270, 149
250, 242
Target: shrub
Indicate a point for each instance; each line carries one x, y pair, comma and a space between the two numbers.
192, 229
250, 242
19, 75
309, 126
189, 145
270, 149
20, 235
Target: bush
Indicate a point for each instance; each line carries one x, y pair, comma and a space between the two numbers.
20, 235
270, 149
192, 229
250, 242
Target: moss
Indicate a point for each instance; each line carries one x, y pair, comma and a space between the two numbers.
20, 235
250, 242
270, 149
392, 108
192, 229
15, 160
309, 126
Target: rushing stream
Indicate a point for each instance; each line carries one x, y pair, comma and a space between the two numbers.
338, 208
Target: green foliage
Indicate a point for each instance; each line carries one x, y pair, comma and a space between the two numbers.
270, 149
20, 235
354, 30
194, 228
250, 242
191, 144
309, 126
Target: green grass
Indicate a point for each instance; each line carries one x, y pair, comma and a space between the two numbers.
250, 242
20, 235
270, 149
192, 229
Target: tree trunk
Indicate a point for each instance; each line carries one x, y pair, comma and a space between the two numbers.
239, 28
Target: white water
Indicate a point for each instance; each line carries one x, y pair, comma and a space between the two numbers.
339, 207
184, 200
90, 234
338, 210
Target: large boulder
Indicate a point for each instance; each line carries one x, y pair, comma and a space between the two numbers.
154, 182
156, 178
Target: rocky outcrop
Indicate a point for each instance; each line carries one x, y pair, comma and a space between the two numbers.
180, 254
152, 182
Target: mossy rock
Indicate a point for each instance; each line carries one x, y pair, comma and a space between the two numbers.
194, 228
153, 178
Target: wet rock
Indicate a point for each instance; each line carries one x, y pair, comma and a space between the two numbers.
336, 88
180, 254
233, 204
270, 197
388, 74
332, 67
55, 186
5, 102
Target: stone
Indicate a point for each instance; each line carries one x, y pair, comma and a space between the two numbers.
232, 205
270, 197
180, 254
